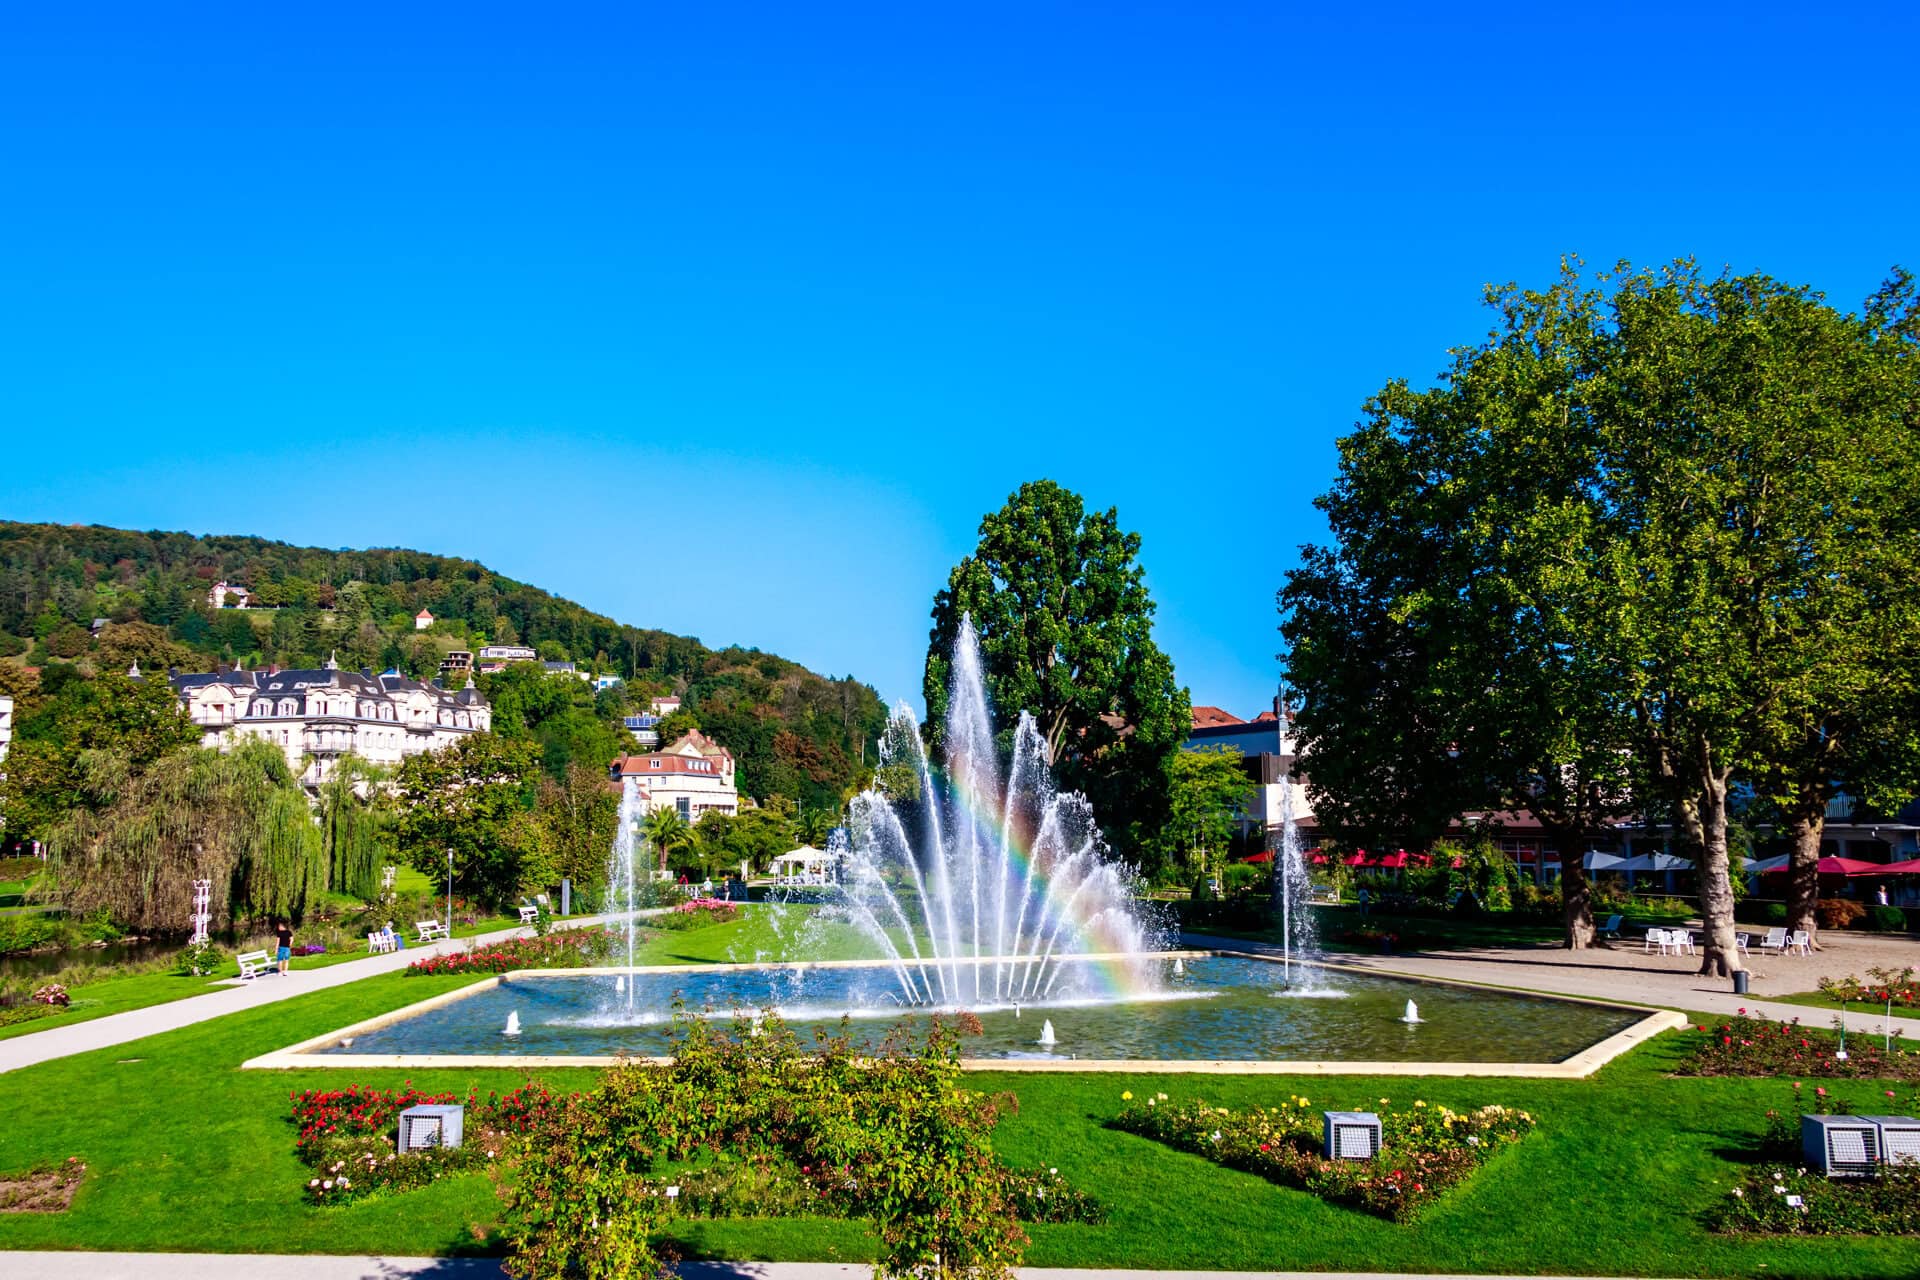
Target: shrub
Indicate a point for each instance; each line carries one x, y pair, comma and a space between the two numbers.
1424, 1150
54, 994
200, 961
1838, 913
1896, 987
1887, 919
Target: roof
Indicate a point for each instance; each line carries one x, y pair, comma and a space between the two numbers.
1207, 717
424, 613
659, 764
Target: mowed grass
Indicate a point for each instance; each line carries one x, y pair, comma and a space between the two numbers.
186, 1152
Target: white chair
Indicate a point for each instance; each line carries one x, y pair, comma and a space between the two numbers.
1656, 940
382, 941
1775, 940
1681, 941
1799, 942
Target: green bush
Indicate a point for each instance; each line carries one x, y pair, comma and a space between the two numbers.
1887, 919
27, 931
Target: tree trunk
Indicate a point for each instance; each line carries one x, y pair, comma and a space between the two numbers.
1576, 893
1803, 876
1720, 957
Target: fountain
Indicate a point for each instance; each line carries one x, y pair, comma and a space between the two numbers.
513, 1024
1047, 1037
1298, 937
623, 872
1412, 1015
977, 889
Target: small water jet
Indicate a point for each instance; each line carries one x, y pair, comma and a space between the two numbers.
513, 1024
1412, 1015
1047, 1038
623, 871
1179, 970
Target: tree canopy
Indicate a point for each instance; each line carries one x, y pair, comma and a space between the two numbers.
1653, 537
1059, 601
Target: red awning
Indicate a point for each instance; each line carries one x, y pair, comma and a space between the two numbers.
1258, 857
1911, 867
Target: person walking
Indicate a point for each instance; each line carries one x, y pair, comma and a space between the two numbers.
283, 933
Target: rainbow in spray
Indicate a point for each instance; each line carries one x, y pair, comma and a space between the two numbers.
987, 891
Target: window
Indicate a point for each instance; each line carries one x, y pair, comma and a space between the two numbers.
656, 762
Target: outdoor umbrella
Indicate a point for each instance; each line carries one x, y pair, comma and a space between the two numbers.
1834, 867
1598, 861
1764, 865
1655, 862
1258, 857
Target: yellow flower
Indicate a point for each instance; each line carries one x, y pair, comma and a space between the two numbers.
1418, 1103
1303, 1102
1126, 1095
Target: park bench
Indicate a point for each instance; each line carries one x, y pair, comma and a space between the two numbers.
430, 929
1324, 895
528, 914
255, 963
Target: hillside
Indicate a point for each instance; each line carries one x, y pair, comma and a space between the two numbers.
795, 733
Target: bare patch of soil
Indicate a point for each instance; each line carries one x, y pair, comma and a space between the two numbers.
45, 1189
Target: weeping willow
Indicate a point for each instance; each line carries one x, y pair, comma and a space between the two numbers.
354, 827
239, 819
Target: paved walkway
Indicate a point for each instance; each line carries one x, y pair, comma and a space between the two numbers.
137, 1024
1626, 973
240, 1266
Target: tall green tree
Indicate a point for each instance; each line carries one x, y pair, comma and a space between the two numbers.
1208, 791
667, 834
582, 814
356, 827
1642, 543
1059, 601
475, 798
137, 722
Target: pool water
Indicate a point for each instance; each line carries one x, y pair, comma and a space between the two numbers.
1218, 1008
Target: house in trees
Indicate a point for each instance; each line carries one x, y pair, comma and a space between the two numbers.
317, 716
1266, 749
694, 776
217, 596
422, 620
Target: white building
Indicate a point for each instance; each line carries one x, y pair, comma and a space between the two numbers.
422, 620
693, 776
6, 725
318, 716
1266, 750
666, 706
218, 593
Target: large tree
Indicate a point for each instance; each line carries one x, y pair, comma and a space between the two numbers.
1666, 530
475, 798
1208, 791
1059, 601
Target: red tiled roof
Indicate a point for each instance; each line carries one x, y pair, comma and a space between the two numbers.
660, 765
1208, 717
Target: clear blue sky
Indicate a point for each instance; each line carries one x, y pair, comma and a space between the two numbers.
733, 320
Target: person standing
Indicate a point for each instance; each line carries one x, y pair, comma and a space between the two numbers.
283, 933
1880, 895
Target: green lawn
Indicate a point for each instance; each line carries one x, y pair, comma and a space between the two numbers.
138, 991
1615, 1181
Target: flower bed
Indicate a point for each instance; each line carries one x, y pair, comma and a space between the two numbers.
1747, 1046
747, 1124
1424, 1150
347, 1137
1897, 987
1783, 1197
696, 914
574, 948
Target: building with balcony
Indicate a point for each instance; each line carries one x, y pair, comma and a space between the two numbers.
693, 776
317, 716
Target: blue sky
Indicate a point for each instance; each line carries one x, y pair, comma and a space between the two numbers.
734, 320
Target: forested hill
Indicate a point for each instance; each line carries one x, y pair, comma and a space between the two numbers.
795, 733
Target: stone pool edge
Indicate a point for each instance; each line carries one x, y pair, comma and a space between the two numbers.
1576, 1067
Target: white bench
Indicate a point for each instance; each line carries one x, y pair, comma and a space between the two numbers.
430, 929
529, 914
382, 941
255, 963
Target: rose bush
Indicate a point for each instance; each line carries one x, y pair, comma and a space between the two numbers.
1424, 1150
1749, 1046
570, 949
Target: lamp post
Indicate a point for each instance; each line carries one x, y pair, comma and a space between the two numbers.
449, 891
